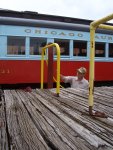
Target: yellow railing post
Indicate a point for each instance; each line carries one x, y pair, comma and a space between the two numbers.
58, 66
93, 26
91, 70
42, 69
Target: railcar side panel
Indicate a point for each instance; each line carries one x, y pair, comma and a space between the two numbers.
19, 71
28, 71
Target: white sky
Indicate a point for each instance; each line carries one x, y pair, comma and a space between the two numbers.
84, 9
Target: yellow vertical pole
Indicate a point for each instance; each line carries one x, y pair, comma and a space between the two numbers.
91, 71
93, 26
42, 68
58, 69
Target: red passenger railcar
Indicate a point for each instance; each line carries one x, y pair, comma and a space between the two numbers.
23, 34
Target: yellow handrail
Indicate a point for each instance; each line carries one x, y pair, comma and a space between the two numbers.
58, 65
53, 76
93, 26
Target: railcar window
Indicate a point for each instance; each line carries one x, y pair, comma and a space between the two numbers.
79, 48
64, 46
99, 49
15, 45
111, 50
36, 45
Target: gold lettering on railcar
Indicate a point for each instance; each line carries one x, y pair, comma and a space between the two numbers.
46, 32
4, 71
38, 31
71, 34
53, 32
96, 37
103, 37
80, 35
62, 33
109, 38
28, 30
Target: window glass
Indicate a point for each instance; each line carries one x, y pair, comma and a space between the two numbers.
64, 46
36, 45
111, 50
15, 45
99, 49
79, 48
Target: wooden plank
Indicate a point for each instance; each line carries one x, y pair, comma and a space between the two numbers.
100, 102
88, 122
23, 133
40, 120
55, 130
3, 134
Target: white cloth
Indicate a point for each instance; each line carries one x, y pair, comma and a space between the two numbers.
75, 83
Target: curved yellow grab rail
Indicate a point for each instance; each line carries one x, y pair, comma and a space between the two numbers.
58, 65
53, 76
93, 26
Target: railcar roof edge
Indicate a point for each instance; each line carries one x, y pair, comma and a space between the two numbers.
36, 15
49, 24
29, 18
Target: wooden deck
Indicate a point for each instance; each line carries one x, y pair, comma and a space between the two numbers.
38, 120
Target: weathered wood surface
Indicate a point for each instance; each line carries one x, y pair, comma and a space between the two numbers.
41, 121
3, 130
